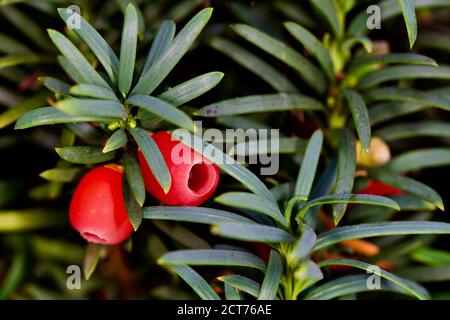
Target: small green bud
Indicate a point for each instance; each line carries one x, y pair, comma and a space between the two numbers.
114, 125
351, 81
337, 121
131, 123
331, 101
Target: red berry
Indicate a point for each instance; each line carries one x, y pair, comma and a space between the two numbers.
193, 181
375, 187
97, 210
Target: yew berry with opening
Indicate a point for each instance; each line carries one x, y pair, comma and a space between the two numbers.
97, 210
194, 178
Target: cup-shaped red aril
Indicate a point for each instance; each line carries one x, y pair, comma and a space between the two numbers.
97, 210
194, 178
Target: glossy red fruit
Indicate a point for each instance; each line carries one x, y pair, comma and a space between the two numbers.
193, 181
377, 188
97, 210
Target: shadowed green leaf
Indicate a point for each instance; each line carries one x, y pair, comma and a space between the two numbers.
191, 89
212, 257
296, 13
27, 26
161, 42
182, 235
434, 40
253, 63
410, 202
182, 9
153, 156
345, 170
271, 281
196, 282
426, 274
16, 272
323, 187
123, 7
93, 91
390, 9
404, 72
134, 177
350, 198
349, 44
96, 43
72, 54
260, 103
306, 275
167, 61
8, 117
55, 85
163, 109
71, 69
128, 49
308, 168
253, 202
94, 252
84, 155
360, 117
23, 59
313, 45
232, 293
242, 283
407, 7
274, 145
306, 70
329, 11
309, 164
343, 286
368, 230
396, 58
251, 232
432, 257
420, 159
9, 45
303, 245
428, 98
61, 174
193, 214
31, 219
116, 141
134, 209
414, 289
386, 111
51, 115
415, 129
87, 133
92, 107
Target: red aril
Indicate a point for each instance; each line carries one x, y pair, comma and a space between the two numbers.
97, 210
